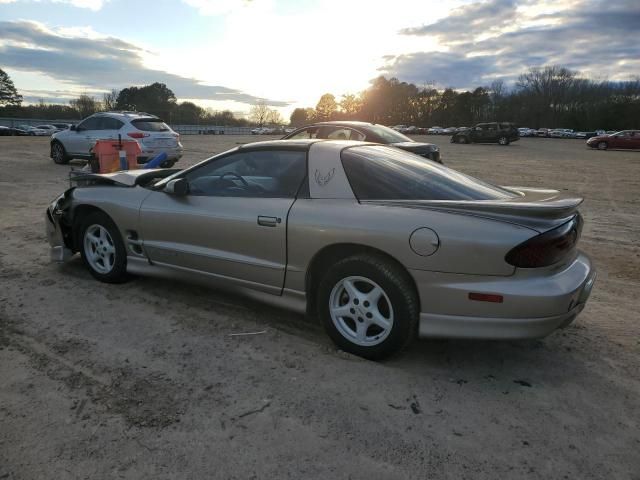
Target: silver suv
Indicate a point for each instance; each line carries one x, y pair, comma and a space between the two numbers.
152, 134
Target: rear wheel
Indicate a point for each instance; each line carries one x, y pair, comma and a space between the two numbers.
602, 145
368, 306
503, 140
58, 154
102, 249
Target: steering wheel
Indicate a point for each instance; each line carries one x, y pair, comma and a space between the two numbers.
235, 175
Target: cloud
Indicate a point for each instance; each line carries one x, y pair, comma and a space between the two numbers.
94, 5
501, 39
464, 23
98, 63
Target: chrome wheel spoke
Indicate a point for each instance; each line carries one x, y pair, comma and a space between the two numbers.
351, 289
374, 295
361, 331
343, 311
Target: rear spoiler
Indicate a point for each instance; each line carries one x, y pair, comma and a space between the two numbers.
534, 208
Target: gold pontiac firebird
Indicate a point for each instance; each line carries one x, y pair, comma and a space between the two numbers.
380, 244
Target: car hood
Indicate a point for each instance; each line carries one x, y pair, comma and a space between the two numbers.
416, 147
126, 178
597, 138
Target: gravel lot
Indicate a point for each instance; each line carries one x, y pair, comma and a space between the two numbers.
142, 380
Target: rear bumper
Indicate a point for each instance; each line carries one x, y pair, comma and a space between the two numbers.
535, 303
148, 153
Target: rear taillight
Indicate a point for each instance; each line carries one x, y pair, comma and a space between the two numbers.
137, 134
547, 248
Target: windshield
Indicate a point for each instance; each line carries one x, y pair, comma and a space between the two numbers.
384, 173
388, 135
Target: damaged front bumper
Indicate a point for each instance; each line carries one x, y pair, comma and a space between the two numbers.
59, 252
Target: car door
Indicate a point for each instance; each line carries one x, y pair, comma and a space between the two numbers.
477, 134
78, 141
233, 222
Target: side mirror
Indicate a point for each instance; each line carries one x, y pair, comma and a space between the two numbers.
179, 186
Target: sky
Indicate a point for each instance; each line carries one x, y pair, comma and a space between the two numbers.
230, 54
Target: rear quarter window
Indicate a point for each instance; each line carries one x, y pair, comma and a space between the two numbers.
386, 173
150, 125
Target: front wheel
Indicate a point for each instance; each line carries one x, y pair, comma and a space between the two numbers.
102, 249
463, 140
58, 154
368, 306
602, 146
503, 141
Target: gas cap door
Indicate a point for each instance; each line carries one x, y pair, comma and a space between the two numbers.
424, 241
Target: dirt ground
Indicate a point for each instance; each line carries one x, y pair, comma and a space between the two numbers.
143, 380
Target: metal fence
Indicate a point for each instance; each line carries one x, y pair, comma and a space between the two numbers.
181, 129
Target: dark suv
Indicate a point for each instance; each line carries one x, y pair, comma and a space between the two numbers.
492, 132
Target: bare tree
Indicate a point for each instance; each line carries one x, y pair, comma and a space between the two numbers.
85, 105
110, 100
259, 113
274, 117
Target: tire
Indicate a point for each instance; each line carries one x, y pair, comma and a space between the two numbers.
102, 249
463, 140
602, 145
58, 154
503, 141
349, 287
454, 140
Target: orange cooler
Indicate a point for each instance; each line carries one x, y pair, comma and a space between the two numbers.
106, 152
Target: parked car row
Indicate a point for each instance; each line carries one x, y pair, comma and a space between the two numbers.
412, 130
279, 130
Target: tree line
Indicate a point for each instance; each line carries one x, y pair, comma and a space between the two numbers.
551, 97
156, 99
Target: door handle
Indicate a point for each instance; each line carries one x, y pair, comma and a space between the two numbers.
268, 221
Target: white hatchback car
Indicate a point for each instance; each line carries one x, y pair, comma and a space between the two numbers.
152, 134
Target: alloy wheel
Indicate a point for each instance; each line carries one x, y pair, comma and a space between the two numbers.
361, 311
99, 249
58, 153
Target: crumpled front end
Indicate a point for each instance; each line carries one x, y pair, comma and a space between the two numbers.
57, 235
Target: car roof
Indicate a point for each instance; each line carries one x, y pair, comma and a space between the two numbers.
125, 114
299, 144
342, 123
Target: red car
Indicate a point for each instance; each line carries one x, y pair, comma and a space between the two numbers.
622, 139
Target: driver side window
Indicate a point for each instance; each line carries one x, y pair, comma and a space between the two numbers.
264, 173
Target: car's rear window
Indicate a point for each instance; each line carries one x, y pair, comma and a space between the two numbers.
386, 173
150, 125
